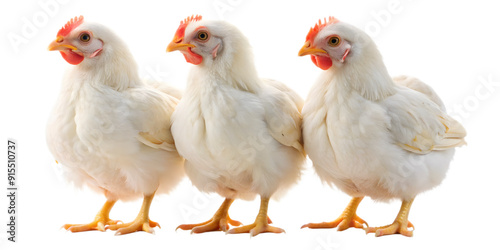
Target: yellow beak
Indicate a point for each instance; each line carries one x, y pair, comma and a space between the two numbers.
177, 45
308, 50
59, 44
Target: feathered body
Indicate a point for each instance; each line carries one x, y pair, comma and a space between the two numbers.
110, 130
369, 134
353, 145
372, 135
240, 134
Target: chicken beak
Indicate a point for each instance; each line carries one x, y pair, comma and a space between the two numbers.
59, 44
177, 45
307, 49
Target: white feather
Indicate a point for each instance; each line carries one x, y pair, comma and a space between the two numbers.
225, 124
371, 137
109, 130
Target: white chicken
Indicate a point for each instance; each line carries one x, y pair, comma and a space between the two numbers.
368, 134
108, 129
240, 135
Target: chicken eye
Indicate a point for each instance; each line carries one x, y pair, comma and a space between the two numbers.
84, 37
334, 41
202, 35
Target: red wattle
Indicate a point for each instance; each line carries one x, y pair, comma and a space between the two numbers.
192, 57
323, 62
71, 57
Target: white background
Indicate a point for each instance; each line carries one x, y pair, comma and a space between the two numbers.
451, 45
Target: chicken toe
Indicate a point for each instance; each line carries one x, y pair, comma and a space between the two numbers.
346, 220
101, 220
141, 222
261, 224
219, 222
399, 226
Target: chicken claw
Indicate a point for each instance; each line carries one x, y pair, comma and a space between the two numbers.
400, 224
346, 220
94, 225
219, 222
141, 222
101, 220
261, 224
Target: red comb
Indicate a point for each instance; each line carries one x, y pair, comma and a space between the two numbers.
182, 27
314, 31
70, 25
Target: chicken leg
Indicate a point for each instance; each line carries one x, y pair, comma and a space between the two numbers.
261, 224
101, 220
141, 222
346, 220
219, 221
400, 224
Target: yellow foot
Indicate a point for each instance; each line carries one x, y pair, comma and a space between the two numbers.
94, 225
261, 224
346, 220
100, 221
139, 224
342, 223
217, 223
255, 229
400, 224
395, 228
